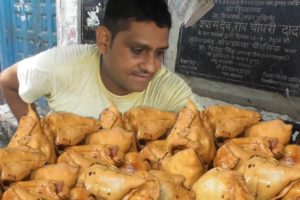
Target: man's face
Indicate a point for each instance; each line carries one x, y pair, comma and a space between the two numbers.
134, 56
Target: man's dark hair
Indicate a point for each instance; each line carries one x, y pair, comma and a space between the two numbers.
119, 14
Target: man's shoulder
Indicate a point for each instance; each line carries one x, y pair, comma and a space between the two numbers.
167, 83
63, 54
61, 58
165, 76
78, 50
77, 58
167, 91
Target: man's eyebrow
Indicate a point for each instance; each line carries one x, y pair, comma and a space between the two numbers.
147, 47
164, 48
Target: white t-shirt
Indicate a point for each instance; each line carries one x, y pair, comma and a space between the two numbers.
69, 78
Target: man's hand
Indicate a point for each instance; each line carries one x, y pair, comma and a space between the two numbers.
9, 85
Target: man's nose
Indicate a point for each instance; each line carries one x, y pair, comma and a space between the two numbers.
149, 63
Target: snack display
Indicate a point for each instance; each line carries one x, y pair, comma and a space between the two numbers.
222, 152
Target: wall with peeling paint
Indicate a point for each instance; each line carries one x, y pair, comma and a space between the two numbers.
68, 22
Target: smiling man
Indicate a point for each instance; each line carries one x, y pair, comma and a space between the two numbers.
125, 67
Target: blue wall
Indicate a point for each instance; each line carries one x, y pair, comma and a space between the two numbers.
26, 28
6, 48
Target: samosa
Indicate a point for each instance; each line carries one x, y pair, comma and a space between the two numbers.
149, 123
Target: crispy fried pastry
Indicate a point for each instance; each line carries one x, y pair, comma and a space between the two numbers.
291, 156
44, 144
108, 182
86, 155
69, 129
171, 186
150, 190
219, 183
293, 193
274, 128
265, 178
17, 163
235, 152
80, 193
149, 123
133, 163
227, 121
188, 132
125, 140
28, 125
111, 117
2, 189
31, 136
153, 152
59, 172
185, 163
39, 189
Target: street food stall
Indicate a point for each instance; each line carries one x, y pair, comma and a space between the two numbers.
239, 139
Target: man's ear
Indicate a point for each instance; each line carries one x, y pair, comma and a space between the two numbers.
103, 39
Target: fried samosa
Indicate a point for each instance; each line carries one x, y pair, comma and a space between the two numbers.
39, 189
17, 163
69, 129
171, 186
227, 121
265, 178
30, 135
125, 140
234, 152
185, 163
86, 155
2, 189
149, 123
293, 193
153, 152
273, 128
133, 163
108, 182
28, 125
188, 132
219, 183
81, 193
43, 143
59, 172
291, 156
150, 190
111, 117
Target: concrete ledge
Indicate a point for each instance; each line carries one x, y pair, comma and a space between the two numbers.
244, 96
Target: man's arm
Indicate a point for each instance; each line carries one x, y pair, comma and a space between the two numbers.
9, 85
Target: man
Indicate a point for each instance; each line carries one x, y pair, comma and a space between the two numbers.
125, 67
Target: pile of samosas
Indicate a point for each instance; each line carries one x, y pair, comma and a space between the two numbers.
222, 152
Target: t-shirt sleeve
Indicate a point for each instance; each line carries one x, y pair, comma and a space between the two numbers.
35, 76
48, 73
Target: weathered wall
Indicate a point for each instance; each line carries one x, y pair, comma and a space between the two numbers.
68, 21
68, 18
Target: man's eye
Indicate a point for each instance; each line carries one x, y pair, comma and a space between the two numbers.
160, 53
137, 50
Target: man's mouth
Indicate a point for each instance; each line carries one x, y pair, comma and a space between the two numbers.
142, 77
